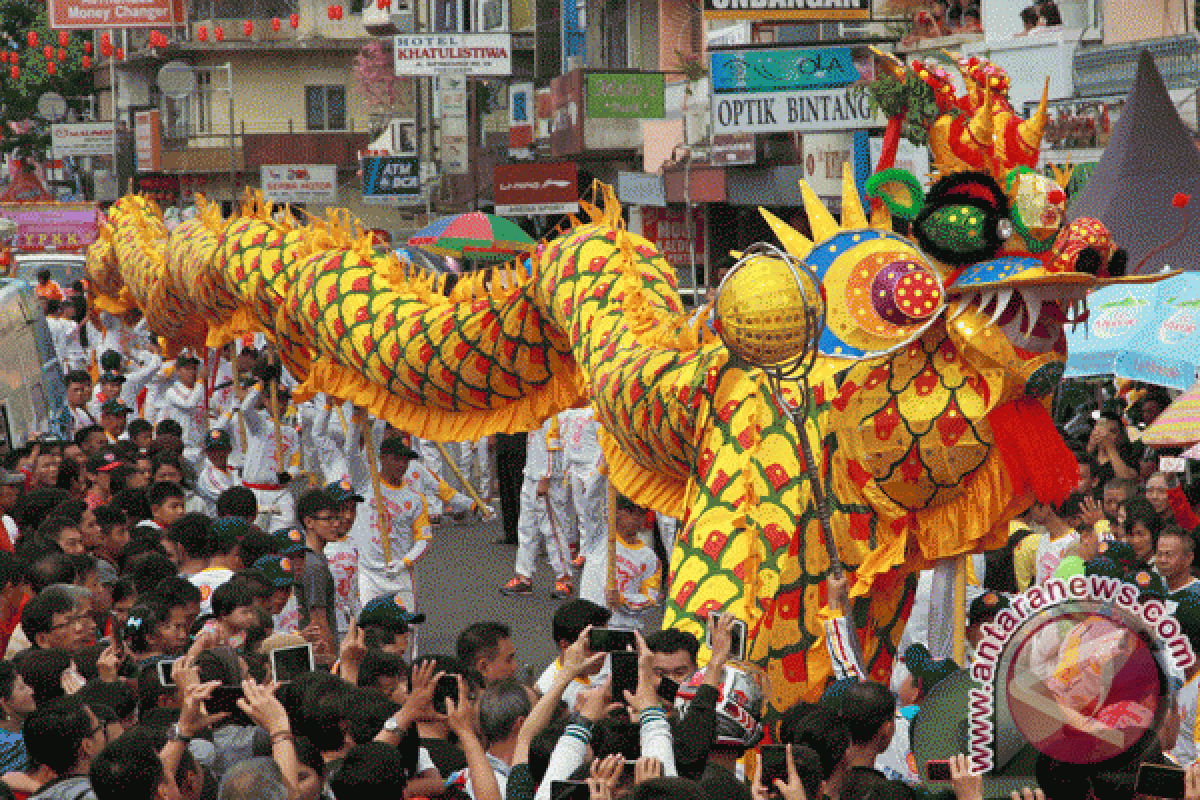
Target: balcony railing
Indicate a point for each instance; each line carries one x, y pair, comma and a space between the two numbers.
1109, 70
210, 151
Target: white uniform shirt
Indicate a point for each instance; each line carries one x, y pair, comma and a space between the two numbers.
580, 433
186, 406
209, 485
207, 581
261, 465
409, 532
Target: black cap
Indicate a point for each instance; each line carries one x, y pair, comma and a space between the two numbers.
343, 492
397, 446
388, 611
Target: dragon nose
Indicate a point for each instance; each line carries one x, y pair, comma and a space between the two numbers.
1056, 196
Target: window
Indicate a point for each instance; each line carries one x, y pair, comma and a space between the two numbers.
325, 107
203, 102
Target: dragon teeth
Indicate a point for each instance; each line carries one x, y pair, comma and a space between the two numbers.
1002, 299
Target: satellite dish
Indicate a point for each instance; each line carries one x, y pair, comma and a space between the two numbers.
52, 106
177, 79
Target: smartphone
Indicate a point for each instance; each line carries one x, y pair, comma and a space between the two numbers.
667, 689
737, 647
569, 790
628, 738
611, 640
164, 671
447, 686
224, 698
624, 674
287, 663
1157, 780
774, 765
937, 770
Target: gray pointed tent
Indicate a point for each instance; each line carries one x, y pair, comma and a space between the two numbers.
1150, 157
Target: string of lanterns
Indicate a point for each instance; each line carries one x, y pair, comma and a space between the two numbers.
156, 39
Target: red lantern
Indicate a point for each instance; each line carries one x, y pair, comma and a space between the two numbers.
31, 38
105, 40
385, 4
248, 28
48, 52
14, 71
202, 33
51, 68
120, 54
276, 24
341, 13
64, 38
62, 54
294, 21
106, 49
3, 56
87, 46
219, 33
86, 62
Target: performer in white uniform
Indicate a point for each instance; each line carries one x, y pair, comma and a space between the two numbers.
587, 498
184, 403
388, 569
542, 488
216, 475
262, 469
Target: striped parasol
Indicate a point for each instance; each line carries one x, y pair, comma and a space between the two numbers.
1179, 424
473, 235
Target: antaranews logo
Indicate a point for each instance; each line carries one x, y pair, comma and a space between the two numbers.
1077, 668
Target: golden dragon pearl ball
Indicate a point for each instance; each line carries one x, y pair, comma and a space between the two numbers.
767, 314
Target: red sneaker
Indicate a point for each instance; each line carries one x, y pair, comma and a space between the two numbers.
517, 586
562, 588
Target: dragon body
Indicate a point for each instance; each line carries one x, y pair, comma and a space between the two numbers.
929, 423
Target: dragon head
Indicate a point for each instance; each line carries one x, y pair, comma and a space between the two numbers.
943, 345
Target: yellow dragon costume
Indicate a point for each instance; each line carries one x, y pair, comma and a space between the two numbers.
928, 415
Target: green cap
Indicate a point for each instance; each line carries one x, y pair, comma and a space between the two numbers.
277, 571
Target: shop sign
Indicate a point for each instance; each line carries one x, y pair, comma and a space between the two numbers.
300, 183
807, 10
392, 179
92, 14
147, 138
824, 155
566, 123
82, 138
841, 109
625, 95
162, 188
472, 54
909, 157
520, 119
55, 226
730, 149
529, 189
641, 189
782, 69
678, 238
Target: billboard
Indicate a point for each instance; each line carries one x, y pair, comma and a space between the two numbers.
300, 183
527, 189
566, 121
625, 95
474, 54
806, 10
782, 69
392, 178
91, 14
818, 110
61, 226
147, 138
82, 139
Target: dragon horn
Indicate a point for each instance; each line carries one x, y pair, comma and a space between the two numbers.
1031, 130
982, 125
890, 64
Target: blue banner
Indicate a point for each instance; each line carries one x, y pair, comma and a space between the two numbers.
781, 70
